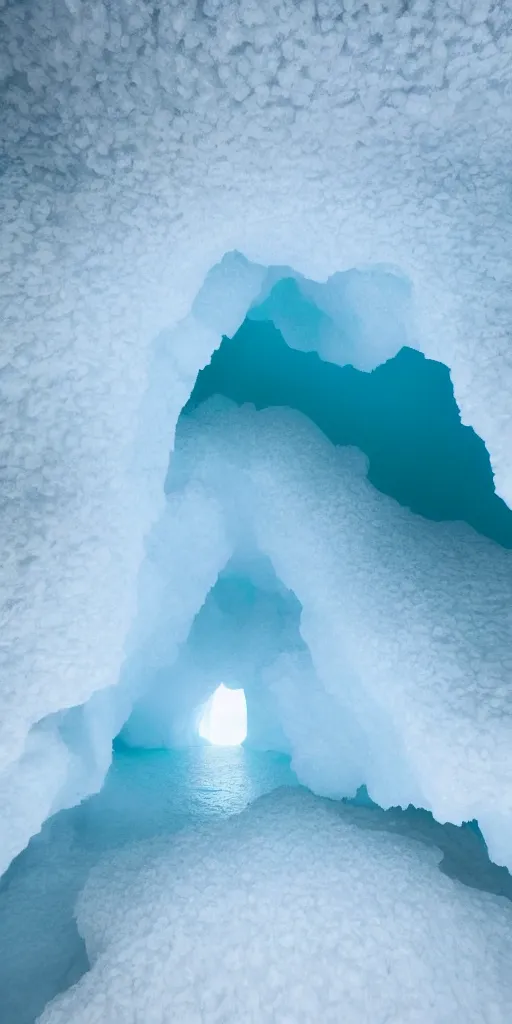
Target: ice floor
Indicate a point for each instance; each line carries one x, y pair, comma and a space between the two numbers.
149, 797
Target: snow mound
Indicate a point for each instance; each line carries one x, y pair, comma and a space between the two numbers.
287, 912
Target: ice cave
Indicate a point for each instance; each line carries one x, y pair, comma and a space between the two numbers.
256, 512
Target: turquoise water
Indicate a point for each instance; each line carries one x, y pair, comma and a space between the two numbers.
173, 788
403, 415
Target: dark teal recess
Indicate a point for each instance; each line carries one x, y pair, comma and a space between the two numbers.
403, 415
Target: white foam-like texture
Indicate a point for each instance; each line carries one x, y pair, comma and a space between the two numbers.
140, 143
288, 912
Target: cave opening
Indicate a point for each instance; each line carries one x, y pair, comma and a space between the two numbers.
224, 718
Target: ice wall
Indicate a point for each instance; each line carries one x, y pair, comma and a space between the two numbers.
300, 134
70, 582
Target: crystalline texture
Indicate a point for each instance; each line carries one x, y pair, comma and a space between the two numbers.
287, 912
140, 144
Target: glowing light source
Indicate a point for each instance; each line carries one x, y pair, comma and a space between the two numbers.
224, 720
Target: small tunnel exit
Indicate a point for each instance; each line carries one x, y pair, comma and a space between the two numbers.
224, 719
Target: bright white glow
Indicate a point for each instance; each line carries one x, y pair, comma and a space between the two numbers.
224, 721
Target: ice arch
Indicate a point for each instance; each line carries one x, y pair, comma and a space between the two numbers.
59, 718
406, 621
80, 739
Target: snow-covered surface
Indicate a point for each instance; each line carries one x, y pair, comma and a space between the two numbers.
141, 142
288, 912
148, 794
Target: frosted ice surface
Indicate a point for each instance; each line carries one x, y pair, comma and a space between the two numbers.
287, 912
379, 135
296, 133
358, 317
407, 621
